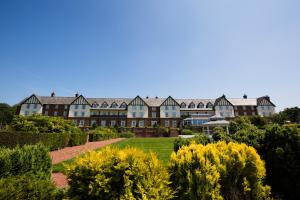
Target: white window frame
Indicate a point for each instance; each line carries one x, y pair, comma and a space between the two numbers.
103, 123
123, 123
133, 123
141, 123
167, 123
81, 122
174, 123
113, 123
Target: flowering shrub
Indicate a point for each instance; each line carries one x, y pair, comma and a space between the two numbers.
218, 171
118, 174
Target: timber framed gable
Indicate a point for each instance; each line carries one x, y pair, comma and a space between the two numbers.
137, 101
80, 100
33, 99
221, 101
170, 102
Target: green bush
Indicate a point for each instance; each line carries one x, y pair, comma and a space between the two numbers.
218, 171
52, 140
102, 133
118, 174
187, 132
28, 187
34, 159
199, 139
126, 135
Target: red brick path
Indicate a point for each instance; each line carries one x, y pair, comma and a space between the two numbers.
70, 152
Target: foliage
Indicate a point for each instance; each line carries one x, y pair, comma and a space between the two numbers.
187, 132
28, 187
126, 134
218, 171
118, 174
220, 135
198, 139
258, 121
282, 156
239, 123
53, 141
278, 118
34, 159
6, 114
102, 133
292, 114
42, 124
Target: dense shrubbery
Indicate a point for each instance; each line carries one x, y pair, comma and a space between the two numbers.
34, 159
218, 171
187, 132
126, 134
118, 174
53, 132
199, 139
105, 133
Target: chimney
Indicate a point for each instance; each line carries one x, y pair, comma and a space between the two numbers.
76, 95
147, 97
53, 94
156, 97
245, 96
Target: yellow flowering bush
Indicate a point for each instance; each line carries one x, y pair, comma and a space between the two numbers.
218, 171
118, 174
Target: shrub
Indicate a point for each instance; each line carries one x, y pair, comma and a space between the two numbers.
34, 159
126, 135
187, 132
199, 139
218, 171
77, 139
27, 187
118, 174
102, 133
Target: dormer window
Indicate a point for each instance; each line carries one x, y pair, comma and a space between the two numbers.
104, 105
95, 105
182, 105
200, 105
192, 105
123, 105
209, 105
114, 105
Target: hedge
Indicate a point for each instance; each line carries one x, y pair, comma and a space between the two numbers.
199, 139
102, 133
28, 187
118, 174
53, 141
34, 159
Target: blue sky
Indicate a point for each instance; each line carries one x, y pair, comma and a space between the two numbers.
124, 48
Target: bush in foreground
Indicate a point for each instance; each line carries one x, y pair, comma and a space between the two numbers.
34, 159
218, 171
28, 187
118, 174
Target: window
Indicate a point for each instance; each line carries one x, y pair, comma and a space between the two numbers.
252, 107
134, 114
221, 113
174, 123
113, 123
209, 105
123, 105
141, 114
174, 114
153, 123
46, 112
167, 123
253, 113
55, 113
82, 114
47, 106
26, 112
245, 113
56, 106
173, 108
244, 107
154, 108
227, 107
200, 105
114, 105
133, 107
141, 123
104, 105
103, 122
183, 105
269, 107
75, 122
153, 115
28, 106
65, 113
76, 107
166, 107
75, 114
94, 123
141, 107
133, 123
221, 107
35, 106
66, 107
34, 112
192, 105
262, 107
83, 106
167, 114
123, 123
81, 122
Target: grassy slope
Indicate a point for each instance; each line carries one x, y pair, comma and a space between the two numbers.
163, 147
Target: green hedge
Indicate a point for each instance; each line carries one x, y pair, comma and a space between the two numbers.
102, 133
11, 139
126, 135
199, 139
28, 187
34, 159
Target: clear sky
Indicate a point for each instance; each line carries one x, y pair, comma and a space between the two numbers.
124, 48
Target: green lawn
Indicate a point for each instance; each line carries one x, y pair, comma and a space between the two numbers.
163, 147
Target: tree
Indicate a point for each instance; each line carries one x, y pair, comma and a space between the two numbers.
6, 113
293, 114
258, 121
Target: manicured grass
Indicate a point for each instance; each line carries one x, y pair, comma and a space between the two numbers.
163, 147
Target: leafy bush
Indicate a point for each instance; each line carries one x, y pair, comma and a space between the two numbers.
126, 135
52, 140
118, 174
187, 132
34, 159
282, 156
199, 139
102, 133
27, 187
218, 171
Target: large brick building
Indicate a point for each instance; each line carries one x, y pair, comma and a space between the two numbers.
143, 112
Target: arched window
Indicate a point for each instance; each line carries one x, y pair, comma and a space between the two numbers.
192, 105
182, 105
200, 105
